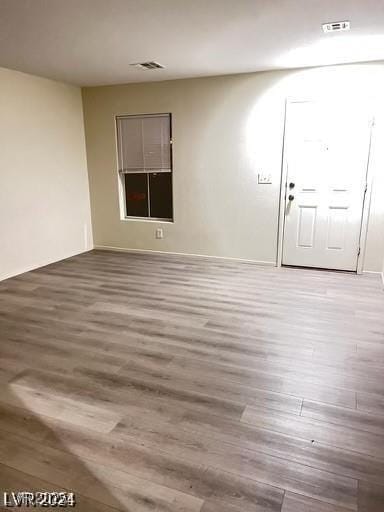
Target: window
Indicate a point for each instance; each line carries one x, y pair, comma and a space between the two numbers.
145, 165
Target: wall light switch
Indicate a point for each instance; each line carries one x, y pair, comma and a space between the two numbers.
159, 233
264, 178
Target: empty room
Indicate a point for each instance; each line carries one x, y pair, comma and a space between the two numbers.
192, 255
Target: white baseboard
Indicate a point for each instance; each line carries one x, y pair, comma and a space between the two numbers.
381, 274
208, 256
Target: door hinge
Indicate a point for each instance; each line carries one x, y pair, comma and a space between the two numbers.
359, 251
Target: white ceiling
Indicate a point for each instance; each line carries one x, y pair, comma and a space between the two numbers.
92, 42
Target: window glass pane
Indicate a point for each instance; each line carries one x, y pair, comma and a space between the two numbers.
160, 189
136, 194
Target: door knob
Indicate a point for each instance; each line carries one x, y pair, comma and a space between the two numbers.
291, 197
291, 185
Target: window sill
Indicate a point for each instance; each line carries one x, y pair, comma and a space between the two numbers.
146, 219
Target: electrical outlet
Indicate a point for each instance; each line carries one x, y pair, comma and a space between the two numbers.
159, 233
264, 178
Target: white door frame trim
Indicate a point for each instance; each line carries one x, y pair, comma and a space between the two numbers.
283, 189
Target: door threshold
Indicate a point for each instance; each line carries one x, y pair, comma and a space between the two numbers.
336, 270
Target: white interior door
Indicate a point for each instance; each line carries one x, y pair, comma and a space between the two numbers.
326, 153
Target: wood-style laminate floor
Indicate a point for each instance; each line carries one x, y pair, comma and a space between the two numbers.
177, 384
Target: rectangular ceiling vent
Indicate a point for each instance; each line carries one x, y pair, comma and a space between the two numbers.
148, 65
337, 26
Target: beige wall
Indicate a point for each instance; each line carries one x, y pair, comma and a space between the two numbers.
44, 195
226, 130
382, 272
375, 240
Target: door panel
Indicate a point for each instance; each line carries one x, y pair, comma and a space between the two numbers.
337, 223
307, 223
326, 153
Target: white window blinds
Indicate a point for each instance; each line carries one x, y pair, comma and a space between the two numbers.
144, 143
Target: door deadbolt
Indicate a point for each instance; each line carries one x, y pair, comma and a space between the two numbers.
291, 185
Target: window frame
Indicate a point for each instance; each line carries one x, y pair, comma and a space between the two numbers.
121, 175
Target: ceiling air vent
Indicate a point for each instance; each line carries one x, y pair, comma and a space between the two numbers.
337, 26
148, 65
